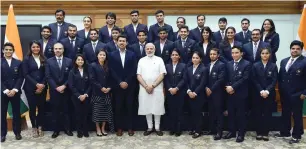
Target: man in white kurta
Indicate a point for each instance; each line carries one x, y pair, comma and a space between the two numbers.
150, 73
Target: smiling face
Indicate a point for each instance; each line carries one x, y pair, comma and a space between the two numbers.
8, 51
295, 51
87, 22
265, 55
236, 54
79, 61
45, 33
122, 43
205, 35
184, 33
35, 48
196, 59
175, 57
230, 34
101, 56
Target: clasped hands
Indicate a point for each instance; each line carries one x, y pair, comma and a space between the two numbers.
39, 88
123, 85
229, 90
105, 90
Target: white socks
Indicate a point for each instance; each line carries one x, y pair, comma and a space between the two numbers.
150, 121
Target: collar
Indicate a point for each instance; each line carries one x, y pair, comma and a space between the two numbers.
183, 39
35, 56
135, 25
142, 44
72, 39
59, 57
94, 42
161, 25
294, 59
163, 42
200, 29
195, 66
256, 42
122, 51
213, 63
238, 60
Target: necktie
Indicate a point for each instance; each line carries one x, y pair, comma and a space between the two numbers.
222, 34
290, 64
183, 43
141, 48
59, 63
94, 46
244, 34
58, 31
255, 50
235, 66
72, 43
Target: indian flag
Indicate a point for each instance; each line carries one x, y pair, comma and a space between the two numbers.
302, 29
12, 36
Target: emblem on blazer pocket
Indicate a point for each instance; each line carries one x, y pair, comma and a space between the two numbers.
86, 77
298, 72
249, 40
189, 50
65, 33
66, 69
214, 74
198, 76
167, 52
270, 40
16, 69
50, 50
269, 73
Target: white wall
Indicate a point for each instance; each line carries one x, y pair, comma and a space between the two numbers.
286, 26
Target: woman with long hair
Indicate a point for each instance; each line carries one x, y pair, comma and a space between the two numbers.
84, 33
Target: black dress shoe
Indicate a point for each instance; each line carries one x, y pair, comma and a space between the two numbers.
171, 133
207, 133
86, 134
196, 135
147, 132
191, 133
279, 135
294, 140
177, 134
240, 139
218, 136
99, 134
55, 135
79, 135
69, 133
229, 136
3, 138
265, 138
159, 132
18, 137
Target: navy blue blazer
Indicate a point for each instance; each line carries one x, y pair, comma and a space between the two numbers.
120, 74
33, 74
63, 33
226, 51
195, 34
99, 79
217, 37
104, 35
216, 79
49, 52
153, 33
81, 34
11, 77
238, 78
167, 50
176, 36
248, 37
131, 34
265, 78
56, 76
198, 81
79, 85
186, 52
136, 49
111, 47
248, 51
206, 57
292, 83
71, 52
89, 53
175, 79
273, 40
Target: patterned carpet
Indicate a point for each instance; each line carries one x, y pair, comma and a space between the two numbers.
140, 142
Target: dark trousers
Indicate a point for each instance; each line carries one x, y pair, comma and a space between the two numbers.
175, 107
236, 115
15, 102
60, 108
81, 113
36, 100
294, 106
124, 99
215, 106
196, 107
263, 114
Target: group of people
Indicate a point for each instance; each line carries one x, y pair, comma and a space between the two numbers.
90, 69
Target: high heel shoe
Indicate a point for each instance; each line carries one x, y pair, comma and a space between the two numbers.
99, 135
40, 132
104, 133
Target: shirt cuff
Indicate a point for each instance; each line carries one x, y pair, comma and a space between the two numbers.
177, 88
6, 91
86, 95
267, 92
262, 91
169, 89
188, 91
16, 90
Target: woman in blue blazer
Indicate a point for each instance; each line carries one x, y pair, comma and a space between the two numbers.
84, 33
101, 99
175, 91
35, 86
79, 84
264, 78
196, 80
269, 35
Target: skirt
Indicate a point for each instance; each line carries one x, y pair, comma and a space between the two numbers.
102, 110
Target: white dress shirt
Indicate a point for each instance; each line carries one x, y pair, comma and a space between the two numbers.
9, 61
94, 46
194, 68
289, 61
174, 67
44, 45
81, 72
110, 32
36, 58
205, 47
122, 56
162, 44
212, 65
86, 33
232, 44
73, 41
135, 27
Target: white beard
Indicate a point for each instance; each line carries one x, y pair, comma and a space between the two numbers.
150, 55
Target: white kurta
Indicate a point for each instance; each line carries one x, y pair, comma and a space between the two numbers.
150, 68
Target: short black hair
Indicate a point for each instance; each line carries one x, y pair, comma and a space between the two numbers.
223, 19
201, 15
9, 44
215, 49
72, 25
297, 43
46, 27
237, 47
93, 29
142, 31
177, 51
60, 10
160, 29
245, 19
116, 29
110, 14
197, 53
122, 36
181, 18
184, 27
134, 11
159, 11
256, 29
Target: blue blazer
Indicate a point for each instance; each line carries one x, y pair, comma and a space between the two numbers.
136, 49
63, 33
248, 51
49, 52
217, 36
176, 36
33, 74
167, 50
111, 47
292, 83
264, 78
120, 74
99, 79
238, 78
153, 33
248, 37
175, 79
90, 53
79, 85
71, 52
273, 40
226, 51
195, 34
56, 76
216, 79
104, 35
186, 52
199, 48
130, 33
11, 77
198, 81
81, 34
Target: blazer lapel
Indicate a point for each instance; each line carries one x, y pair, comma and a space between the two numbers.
295, 63
33, 61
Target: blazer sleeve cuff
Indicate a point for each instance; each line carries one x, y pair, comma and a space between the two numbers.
6, 91
16, 90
